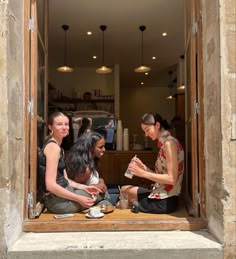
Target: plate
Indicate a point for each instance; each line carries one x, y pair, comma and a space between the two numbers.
97, 217
108, 209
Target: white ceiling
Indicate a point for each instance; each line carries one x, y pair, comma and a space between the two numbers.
122, 37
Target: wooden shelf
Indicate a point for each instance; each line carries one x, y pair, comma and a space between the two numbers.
82, 104
85, 101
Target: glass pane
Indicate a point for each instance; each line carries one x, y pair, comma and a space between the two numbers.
41, 134
188, 124
41, 80
187, 14
41, 19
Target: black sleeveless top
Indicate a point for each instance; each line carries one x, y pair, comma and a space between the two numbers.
60, 179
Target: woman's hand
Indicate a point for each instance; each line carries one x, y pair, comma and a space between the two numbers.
139, 163
102, 187
85, 201
93, 190
137, 170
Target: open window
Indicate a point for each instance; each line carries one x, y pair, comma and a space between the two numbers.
36, 96
36, 27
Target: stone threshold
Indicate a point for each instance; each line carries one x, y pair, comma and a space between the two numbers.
118, 245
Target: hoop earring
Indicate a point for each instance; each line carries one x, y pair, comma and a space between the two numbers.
51, 133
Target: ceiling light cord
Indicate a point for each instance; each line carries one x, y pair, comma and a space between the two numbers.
65, 61
142, 46
103, 49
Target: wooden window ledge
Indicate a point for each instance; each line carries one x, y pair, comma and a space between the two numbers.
117, 220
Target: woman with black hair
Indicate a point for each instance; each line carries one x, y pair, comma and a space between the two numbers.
168, 174
86, 125
82, 161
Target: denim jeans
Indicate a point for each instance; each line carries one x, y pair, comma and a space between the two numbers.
58, 205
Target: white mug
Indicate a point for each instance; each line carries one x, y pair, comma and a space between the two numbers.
94, 211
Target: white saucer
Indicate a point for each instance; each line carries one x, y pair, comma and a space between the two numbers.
97, 217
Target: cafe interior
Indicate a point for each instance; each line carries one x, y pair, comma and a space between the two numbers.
117, 60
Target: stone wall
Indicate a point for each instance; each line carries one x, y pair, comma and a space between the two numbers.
11, 130
219, 110
212, 117
228, 121
219, 59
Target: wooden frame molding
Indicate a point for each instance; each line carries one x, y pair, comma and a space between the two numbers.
118, 220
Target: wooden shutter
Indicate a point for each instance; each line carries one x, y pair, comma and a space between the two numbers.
194, 106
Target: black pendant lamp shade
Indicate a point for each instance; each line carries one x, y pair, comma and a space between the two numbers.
103, 69
142, 68
65, 68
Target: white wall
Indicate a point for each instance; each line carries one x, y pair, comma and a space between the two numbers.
139, 100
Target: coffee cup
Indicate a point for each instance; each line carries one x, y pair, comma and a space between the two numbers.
95, 211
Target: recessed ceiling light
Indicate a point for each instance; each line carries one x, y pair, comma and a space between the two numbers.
153, 57
146, 73
89, 33
164, 34
142, 83
94, 57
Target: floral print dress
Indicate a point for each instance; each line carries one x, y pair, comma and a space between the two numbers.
162, 191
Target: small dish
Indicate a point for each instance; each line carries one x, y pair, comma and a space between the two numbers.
107, 209
97, 217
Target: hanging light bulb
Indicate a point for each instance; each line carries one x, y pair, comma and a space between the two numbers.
170, 86
181, 74
142, 68
103, 69
65, 68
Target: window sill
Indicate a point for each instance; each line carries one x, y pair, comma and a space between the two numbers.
117, 220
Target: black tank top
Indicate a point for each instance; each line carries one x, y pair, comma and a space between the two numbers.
60, 179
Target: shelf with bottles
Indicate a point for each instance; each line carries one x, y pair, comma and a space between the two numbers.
81, 104
103, 99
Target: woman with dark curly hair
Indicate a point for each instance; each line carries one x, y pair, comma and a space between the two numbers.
82, 161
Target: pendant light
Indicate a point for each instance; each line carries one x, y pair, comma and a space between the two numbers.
142, 68
170, 86
65, 68
181, 74
103, 69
